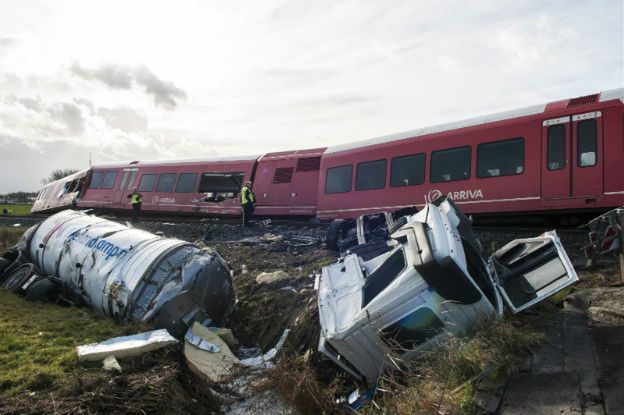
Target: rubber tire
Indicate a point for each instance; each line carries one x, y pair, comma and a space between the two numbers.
43, 290
334, 233
4, 274
4, 263
18, 277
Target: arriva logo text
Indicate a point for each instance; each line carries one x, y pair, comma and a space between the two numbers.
470, 194
163, 200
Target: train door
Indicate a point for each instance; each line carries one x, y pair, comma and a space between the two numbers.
305, 182
572, 156
274, 182
125, 186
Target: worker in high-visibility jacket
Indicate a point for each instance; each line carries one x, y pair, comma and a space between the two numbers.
248, 202
136, 201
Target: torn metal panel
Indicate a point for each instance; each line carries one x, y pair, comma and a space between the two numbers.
430, 279
131, 274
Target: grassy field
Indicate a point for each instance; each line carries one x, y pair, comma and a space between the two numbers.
38, 343
9, 237
23, 209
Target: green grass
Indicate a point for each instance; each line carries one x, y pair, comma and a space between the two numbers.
38, 343
20, 209
9, 237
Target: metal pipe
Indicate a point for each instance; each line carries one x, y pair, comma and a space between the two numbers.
130, 274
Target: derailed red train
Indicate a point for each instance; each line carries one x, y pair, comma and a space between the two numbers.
562, 156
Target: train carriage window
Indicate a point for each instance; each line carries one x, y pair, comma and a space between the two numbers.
555, 143
500, 158
96, 180
371, 175
166, 181
450, 165
109, 180
407, 170
147, 182
124, 178
133, 175
587, 143
186, 183
220, 186
339, 179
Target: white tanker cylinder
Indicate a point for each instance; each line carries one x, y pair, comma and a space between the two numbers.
131, 274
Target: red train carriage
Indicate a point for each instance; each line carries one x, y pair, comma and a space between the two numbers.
563, 156
208, 186
286, 183
566, 155
60, 194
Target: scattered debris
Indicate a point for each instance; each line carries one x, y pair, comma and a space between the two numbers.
265, 360
126, 346
110, 364
428, 279
272, 277
213, 364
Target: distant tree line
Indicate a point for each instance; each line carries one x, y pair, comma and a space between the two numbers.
18, 197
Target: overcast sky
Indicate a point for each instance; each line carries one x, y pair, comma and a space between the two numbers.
144, 80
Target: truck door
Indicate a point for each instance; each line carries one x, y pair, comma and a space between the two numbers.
532, 269
572, 157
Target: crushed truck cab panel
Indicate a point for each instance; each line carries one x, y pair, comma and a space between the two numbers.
432, 278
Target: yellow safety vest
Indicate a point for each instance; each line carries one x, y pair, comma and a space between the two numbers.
246, 195
135, 198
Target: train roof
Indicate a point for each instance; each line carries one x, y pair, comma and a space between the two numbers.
137, 163
470, 122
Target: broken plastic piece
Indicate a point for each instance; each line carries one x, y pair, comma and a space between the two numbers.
126, 346
265, 359
200, 342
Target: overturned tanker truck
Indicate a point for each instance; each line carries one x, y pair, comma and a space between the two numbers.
126, 273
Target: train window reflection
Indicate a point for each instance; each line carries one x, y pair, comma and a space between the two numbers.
166, 181
147, 182
407, 170
587, 143
500, 158
96, 180
109, 180
339, 179
556, 147
186, 183
450, 165
371, 175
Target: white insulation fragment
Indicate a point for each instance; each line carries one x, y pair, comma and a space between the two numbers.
126, 346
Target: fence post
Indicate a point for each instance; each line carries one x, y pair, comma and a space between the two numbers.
620, 220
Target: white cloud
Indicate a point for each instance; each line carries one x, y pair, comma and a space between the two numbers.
239, 78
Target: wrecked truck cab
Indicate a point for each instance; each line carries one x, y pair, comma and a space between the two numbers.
431, 279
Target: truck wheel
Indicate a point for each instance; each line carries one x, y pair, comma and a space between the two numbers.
334, 234
15, 261
4, 263
43, 290
18, 277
